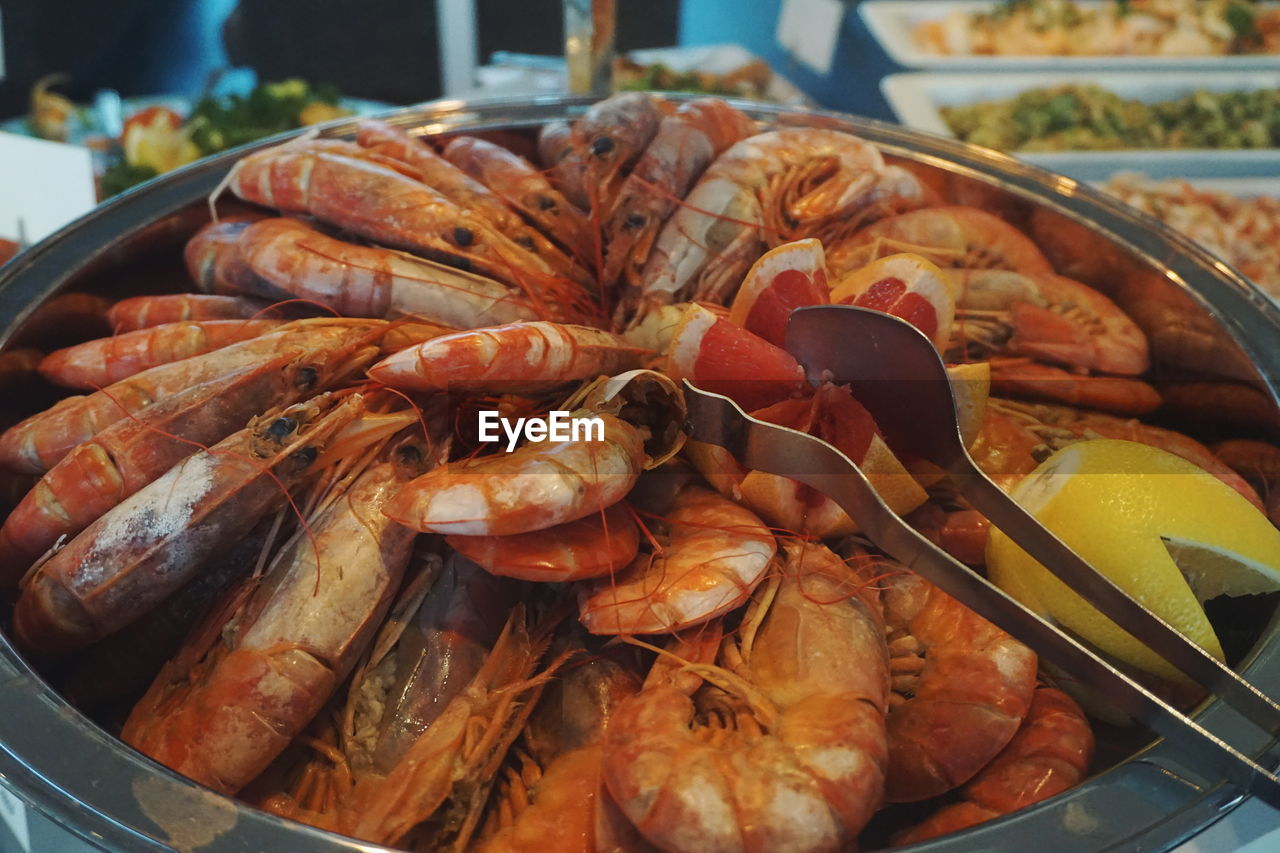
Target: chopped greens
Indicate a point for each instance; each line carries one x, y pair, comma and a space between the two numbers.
1087, 118
221, 123
122, 175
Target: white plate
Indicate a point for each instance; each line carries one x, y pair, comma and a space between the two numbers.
916, 98
893, 23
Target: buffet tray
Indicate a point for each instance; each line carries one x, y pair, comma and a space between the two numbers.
893, 24
917, 99
62, 764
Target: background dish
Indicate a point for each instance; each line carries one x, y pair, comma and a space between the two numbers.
893, 23
917, 99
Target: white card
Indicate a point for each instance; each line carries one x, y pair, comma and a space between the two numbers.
45, 184
808, 30
14, 813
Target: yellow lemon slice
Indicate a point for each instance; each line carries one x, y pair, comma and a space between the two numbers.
1125, 507
158, 145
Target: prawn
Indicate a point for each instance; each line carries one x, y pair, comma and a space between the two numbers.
518, 358
104, 470
564, 162
102, 361
951, 237
388, 207
141, 312
1259, 464
685, 143
555, 798
541, 485
445, 773
804, 769
1058, 426
36, 444
462, 189
763, 191
514, 179
591, 547
291, 259
213, 262
1122, 395
1049, 754
226, 705
961, 688
716, 554
612, 135
1047, 317
149, 545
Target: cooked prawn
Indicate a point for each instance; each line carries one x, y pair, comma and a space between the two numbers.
716, 554
226, 705
765, 190
291, 259
686, 142
805, 768
956, 237
961, 689
1049, 754
518, 358
102, 361
544, 484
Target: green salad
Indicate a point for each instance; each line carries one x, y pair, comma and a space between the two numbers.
1090, 118
221, 123
158, 139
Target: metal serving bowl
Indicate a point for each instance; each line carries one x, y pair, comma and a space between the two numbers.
1201, 314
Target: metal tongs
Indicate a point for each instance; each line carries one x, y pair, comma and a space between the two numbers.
895, 372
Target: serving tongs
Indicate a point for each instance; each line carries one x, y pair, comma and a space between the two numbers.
894, 371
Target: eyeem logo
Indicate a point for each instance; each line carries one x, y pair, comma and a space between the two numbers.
557, 426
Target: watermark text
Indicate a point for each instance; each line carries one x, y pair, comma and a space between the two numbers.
556, 426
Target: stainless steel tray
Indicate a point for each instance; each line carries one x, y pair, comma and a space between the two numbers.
66, 767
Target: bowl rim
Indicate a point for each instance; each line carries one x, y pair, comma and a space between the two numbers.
145, 806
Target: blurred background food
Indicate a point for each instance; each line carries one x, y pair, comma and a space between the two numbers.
150, 86
1242, 230
1089, 117
1128, 27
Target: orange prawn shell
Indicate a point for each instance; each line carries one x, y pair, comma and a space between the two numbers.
717, 554
519, 357
1049, 754
532, 488
102, 361
953, 236
590, 547
973, 691
222, 721
823, 755
140, 312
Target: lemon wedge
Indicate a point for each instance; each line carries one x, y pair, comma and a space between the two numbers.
159, 145
1128, 509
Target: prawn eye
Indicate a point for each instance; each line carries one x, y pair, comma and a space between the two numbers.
601, 145
635, 220
306, 379
463, 236
304, 456
545, 203
409, 455
282, 427
525, 243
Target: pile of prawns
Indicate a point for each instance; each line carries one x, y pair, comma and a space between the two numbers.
626, 644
